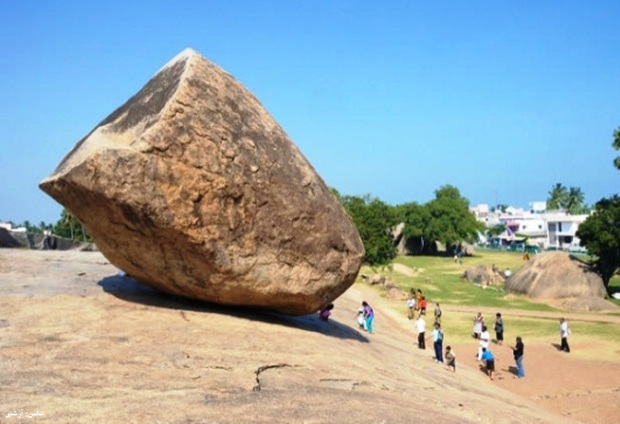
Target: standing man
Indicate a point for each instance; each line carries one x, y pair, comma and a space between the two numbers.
421, 326
518, 354
564, 332
437, 313
485, 338
499, 328
437, 336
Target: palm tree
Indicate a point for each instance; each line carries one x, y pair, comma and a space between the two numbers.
557, 197
574, 201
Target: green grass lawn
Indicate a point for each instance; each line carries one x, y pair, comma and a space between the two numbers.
439, 279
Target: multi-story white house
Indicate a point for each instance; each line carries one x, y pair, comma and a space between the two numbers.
547, 229
562, 229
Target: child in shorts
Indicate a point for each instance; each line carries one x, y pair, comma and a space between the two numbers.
450, 358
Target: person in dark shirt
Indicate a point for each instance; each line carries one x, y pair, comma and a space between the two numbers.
499, 328
518, 354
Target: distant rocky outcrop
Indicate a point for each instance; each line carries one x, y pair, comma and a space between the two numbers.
8, 239
483, 275
193, 188
40, 241
412, 246
557, 275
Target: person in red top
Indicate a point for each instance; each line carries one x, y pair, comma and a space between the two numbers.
423, 306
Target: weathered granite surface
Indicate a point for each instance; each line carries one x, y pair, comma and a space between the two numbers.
193, 188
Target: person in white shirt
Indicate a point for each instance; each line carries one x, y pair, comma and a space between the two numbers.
411, 306
564, 332
421, 326
485, 338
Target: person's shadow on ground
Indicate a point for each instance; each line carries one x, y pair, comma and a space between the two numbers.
557, 346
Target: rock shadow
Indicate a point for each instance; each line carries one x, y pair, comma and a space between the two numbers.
131, 290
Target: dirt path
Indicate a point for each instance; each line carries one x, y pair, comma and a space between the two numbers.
584, 389
571, 316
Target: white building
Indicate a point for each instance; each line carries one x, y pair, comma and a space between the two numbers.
562, 229
547, 229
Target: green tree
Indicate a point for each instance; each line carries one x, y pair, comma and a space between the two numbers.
600, 234
557, 197
374, 220
496, 230
69, 227
574, 201
450, 220
416, 218
616, 145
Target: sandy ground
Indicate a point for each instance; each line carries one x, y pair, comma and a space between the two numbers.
584, 390
80, 344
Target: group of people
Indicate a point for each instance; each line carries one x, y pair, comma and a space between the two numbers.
366, 314
481, 333
416, 303
437, 335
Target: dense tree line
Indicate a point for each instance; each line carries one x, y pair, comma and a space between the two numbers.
445, 219
67, 226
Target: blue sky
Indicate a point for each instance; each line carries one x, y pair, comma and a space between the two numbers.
393, 98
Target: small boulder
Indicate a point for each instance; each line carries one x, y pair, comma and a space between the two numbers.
483, 275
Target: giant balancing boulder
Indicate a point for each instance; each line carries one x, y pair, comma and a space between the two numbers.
193, 188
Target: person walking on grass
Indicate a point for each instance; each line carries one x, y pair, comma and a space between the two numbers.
518, 355
478, 323
437, 313
564, 333
499, 328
